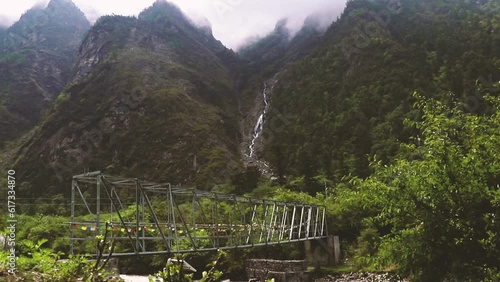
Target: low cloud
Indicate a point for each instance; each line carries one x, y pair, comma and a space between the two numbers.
232, 21
10, 13
235, 21
4, 21
41, 4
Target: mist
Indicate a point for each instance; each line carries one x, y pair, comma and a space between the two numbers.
320, 21
4, 21
11, 12
233, 21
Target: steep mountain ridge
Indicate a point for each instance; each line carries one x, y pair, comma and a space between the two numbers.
36, 57
141, 103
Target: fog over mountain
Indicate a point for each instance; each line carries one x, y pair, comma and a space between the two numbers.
233, 21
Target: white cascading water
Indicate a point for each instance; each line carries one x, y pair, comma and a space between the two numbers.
257, 130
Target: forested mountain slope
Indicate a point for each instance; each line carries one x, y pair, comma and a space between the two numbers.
159, 98
37, 54
347, 101
151, 97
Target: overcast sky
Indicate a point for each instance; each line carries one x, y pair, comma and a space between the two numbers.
232, 21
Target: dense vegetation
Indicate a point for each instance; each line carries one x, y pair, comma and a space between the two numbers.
434, 211
347, 100
418, 197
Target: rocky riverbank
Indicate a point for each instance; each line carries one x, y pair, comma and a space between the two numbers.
361, 277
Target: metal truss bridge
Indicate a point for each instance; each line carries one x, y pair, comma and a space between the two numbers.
144, 218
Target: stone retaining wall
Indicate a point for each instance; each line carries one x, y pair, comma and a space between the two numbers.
280, 270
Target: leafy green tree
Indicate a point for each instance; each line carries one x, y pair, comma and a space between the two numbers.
440, 201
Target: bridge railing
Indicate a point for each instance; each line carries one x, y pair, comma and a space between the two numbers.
152, 218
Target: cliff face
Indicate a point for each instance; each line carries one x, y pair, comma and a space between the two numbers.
150, 97
36, 57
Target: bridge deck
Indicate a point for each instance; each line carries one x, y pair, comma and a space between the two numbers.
152, 218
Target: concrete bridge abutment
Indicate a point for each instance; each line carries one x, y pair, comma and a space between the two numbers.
323, 252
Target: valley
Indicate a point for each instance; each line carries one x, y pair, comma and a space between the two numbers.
388, 117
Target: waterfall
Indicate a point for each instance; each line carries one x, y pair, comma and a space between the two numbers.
257, 130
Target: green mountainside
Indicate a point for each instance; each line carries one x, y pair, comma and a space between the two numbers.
346, 102
160, 98
151, 97
389, 118
36, 57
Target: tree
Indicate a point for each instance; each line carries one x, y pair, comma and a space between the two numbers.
441, 198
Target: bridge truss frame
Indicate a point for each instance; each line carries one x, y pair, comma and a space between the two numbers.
162, 219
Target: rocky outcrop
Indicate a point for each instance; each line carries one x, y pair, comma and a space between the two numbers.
108, 34
89, 58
